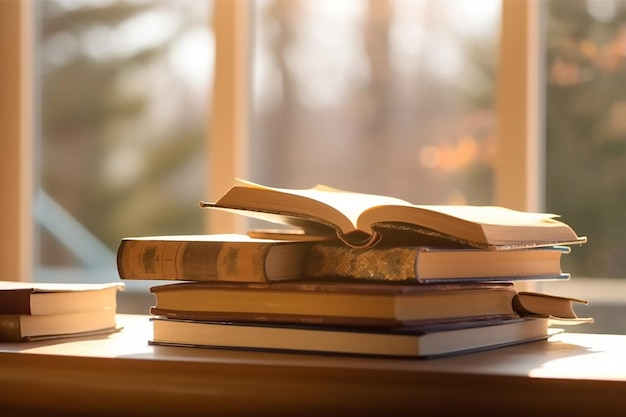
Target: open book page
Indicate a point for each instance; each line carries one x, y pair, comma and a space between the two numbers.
438, 216
286, 234
487, 224
347, 203
353, 204
362, 220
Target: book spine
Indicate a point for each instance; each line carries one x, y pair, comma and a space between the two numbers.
10, 328
192, 261
389, 264
15, 301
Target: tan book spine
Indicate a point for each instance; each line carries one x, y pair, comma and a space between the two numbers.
194, 261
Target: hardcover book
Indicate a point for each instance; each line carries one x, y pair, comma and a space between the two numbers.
364, 220
38, 298
340, 303
423, 264
33, 311
27, 328
237, 257
421, 343
219, 257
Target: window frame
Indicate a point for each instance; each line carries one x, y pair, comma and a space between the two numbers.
16, 151
520, 158
228, 159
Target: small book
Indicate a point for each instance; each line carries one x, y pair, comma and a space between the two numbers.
418, 343
364, 220
35, 311
38, 298
353, 304
238, 257
27, 328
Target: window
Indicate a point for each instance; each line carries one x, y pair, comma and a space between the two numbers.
585, 130
390, 97
585, 144
122, 104
432, 101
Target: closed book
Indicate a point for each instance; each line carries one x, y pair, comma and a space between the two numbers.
342, 303
25, 327
217, 257
238, 257
37, 298
433, 264
422, 343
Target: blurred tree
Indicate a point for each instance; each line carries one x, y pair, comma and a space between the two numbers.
585, 133
122, 136
387, 121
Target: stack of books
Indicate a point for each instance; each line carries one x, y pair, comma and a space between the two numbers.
37, 311
358, 274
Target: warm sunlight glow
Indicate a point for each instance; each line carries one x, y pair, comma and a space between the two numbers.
590, 361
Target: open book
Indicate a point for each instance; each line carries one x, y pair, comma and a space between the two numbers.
363, 220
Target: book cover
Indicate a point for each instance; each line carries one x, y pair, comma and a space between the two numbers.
237, 257
25, 327
37, 298
210, 257
425, 264
356, 304
425, 342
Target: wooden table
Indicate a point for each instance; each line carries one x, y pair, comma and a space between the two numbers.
570, 374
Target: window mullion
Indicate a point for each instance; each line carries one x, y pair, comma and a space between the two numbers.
228, 134
16, 222
519, 158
